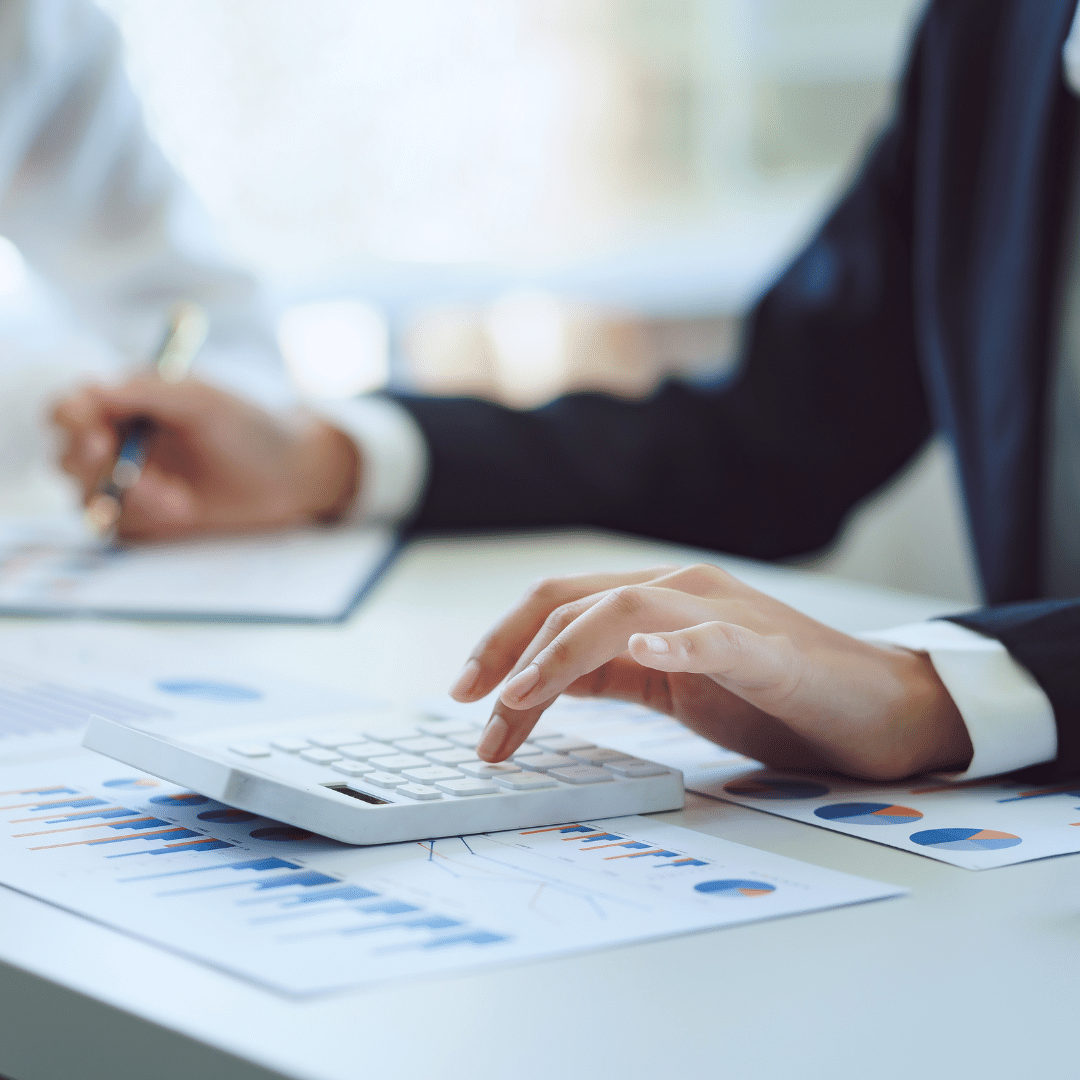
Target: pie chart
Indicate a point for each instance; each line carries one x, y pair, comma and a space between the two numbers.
735, 887
208, 690
775, 787
281, 832
965, 839
868, 813
185, 798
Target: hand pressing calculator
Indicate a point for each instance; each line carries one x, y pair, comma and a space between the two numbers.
365, 781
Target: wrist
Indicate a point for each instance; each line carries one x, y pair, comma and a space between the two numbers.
328, 474
931, 733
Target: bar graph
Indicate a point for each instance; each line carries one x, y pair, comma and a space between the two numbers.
303, 915
171, 832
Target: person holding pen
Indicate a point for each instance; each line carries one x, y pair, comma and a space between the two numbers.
941, 294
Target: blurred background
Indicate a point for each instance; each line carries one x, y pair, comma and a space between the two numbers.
516, 197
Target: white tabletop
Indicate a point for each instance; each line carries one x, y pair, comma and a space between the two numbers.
970, 975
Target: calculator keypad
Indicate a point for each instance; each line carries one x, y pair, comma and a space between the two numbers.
435, 759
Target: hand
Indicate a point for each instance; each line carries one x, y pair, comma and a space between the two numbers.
737, 666
216, 464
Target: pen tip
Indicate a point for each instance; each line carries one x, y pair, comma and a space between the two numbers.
102, 514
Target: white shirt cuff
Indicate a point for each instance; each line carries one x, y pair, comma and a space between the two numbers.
393, 457
1009, 718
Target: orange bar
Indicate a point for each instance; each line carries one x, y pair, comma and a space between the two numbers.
75, 828
596, 847
630, 854
75, 843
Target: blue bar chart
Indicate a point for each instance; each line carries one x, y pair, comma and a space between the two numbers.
305, 915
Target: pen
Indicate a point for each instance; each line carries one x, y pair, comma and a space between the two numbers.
188, 325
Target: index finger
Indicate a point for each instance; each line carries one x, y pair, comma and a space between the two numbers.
495, 655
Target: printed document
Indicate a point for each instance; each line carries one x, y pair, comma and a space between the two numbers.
312, 575
304, 915
979, 825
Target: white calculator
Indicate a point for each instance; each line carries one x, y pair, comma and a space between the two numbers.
363, 780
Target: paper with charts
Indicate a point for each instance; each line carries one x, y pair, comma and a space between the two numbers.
306, 576
978, 825
303, 915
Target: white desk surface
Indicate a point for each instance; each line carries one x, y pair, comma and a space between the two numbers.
972, 975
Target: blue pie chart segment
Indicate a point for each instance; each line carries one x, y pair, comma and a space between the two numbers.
775, 787
185, 798
965, 839
209, 690
867, 813
735, 888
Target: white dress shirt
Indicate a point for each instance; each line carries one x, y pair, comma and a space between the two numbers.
96, 210
94, 207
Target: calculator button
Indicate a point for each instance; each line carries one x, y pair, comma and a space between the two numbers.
451, 757
469, 739
635, 767
419, 791
563, 744
320, 757
331, 740
597, 757
361, 751
428, 774
524, 781
289, 744
484, 769
351, 768
541, 762
421, 744
467, 786
250, 750
582, 774
397, 762
383, 779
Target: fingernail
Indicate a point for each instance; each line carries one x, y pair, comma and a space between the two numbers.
466, 680
520, 685
494, 736
657, 644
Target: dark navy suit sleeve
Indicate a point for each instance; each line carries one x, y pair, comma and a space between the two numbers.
827, 404
828, 401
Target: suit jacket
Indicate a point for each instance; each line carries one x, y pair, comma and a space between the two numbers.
927, 301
